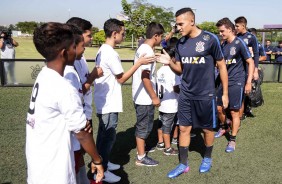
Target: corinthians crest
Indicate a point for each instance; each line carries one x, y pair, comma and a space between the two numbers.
200, 46
35, 71
232, 51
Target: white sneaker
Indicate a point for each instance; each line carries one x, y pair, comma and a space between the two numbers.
110, 177
112, 166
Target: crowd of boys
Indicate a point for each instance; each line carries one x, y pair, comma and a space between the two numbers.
59, 120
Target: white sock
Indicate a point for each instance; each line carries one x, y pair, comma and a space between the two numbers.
140, 157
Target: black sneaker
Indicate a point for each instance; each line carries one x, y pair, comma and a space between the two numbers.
170, 151
160, 146
146, 161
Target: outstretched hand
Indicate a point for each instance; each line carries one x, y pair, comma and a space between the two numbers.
146, 60
163, 58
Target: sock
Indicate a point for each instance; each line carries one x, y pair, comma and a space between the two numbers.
208, 151
183, 155
141, 156
233, 138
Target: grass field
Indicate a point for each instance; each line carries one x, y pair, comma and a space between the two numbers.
257, 158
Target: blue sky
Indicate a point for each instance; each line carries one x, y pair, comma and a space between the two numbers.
258, 12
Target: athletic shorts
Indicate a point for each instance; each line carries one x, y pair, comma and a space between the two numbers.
235, 95
197, 113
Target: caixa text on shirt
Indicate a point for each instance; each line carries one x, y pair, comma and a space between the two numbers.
193, 60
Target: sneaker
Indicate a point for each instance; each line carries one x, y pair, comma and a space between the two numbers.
205, 165
221, 132
230, 147
160, 146
181, 168
109, 177
112, 166
174, 141
146, 161
170, 151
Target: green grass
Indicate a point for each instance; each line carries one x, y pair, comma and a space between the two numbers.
26, 50
257, 158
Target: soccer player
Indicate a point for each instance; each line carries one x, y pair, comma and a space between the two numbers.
252, 43
55, 111
262, 54
107, 90
197, 52
143, 93
277, 51
236, 55
268, 50
167, 89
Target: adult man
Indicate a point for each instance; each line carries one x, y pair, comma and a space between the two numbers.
236, 55
196, 54
252, 43
7, 45
262, 54
268, 50
277, 51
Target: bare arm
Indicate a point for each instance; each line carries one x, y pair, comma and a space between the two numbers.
123, 77
1, 43
149, 88
262, 58
96, 73
251, 69
15, 43
224, 81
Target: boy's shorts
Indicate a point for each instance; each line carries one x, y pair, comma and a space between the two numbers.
235, 95
166, 122
145, 120
197, 113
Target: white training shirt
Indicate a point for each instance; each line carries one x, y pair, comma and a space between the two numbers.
81, 68
55, 111
166, 80
139, 93
72, 77
107, 90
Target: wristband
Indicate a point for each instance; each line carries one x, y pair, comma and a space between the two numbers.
98, 163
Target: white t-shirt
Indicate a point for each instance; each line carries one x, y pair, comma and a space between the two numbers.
72, 77
139, 93
55, 111
166, 79
107, 90
81, 68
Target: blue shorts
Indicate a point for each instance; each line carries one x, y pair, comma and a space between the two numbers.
145, 120
197, 113
235, 95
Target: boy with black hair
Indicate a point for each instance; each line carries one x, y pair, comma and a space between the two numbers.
107, 91
237, 56
55, 111
143, 93
197, 52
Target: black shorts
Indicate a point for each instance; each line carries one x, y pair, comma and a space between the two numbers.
235, 95
197, 113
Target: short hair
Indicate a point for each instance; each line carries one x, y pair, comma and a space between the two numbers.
252, 30
185, 10
77, 33
226, 22
154, 28
50, 38
83, 24
241, 20
112, 25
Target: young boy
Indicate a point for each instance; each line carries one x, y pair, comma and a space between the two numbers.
107, 90
167, 89
55, 111
143, 93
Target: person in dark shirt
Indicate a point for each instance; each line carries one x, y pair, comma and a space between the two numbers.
262, 54
278, 52
268, 50
236, 55
197, 52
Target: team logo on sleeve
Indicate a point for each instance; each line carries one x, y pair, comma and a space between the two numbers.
249, 36
200, 46
232, 51
237, 42
206, 37
246, 41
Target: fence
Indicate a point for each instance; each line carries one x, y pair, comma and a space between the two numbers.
26, 71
